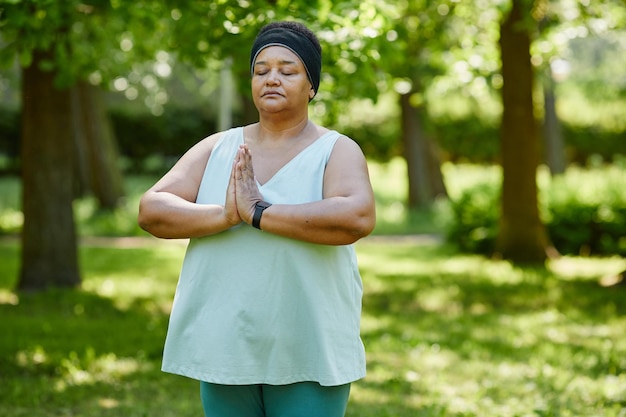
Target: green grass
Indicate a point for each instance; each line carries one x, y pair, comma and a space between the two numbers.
446, 335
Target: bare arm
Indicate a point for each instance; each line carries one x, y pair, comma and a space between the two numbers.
345, 214
168, 209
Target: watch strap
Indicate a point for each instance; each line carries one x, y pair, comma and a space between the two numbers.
258, 212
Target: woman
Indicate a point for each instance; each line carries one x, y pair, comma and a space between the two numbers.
267, 309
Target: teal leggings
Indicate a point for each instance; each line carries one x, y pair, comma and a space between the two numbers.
303, 399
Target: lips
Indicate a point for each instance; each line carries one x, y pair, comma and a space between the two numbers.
271, 93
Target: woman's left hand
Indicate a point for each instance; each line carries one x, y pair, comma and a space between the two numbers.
246, 188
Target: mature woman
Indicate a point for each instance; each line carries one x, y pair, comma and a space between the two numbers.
267, 309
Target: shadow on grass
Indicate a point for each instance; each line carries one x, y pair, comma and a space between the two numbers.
446, 335
95, 351
67, 352
448, 332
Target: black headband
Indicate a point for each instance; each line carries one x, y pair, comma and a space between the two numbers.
295, 41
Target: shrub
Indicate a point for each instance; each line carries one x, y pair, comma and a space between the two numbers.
151, 143
583, 142
470, 139
475, 215
584, 212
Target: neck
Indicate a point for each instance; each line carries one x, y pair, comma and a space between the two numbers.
278, 128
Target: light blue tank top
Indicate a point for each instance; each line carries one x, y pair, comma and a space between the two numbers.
252, 307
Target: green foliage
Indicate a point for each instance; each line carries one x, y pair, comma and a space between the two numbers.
474, 206
467, 139
375, 126
390, 184
144, 137
151, 143
475, 214
587, 211
92, 221
11, 218
586, 142
583, 210
9, 140
446, 335
440, 49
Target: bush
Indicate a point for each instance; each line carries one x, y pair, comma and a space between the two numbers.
584, 212
469, 139
151, 144
475, 216
583, 142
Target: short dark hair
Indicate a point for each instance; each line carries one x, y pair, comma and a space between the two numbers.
295, 26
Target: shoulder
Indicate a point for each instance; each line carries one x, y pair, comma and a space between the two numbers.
215, 138
347, 146
342, 143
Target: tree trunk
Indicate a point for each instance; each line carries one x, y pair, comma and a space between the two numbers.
423, 166
96, 150
553, 137
49, 249
437, 184
249, 112
226, 96
522, 236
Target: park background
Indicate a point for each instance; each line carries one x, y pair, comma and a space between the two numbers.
493, 280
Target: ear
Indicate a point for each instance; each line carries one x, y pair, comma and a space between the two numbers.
311, 93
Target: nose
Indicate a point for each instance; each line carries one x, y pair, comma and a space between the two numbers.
272, 77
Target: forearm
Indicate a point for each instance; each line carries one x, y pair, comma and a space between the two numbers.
168, 216
332, 221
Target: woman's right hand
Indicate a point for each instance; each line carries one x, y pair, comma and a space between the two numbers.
231, 213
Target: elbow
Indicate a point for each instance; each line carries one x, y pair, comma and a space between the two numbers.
367, 226
145, 221
362, 227
150, 226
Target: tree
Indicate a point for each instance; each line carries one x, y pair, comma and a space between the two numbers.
56, 44
412, 61
552, 132
49, 253
95, 147
564, 25
522, 236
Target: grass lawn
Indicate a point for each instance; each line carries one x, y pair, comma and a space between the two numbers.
446, 335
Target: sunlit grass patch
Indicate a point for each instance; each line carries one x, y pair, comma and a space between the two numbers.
145, 276
446, 335
451, 335
94, 351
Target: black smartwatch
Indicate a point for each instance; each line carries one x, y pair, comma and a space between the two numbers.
258, 212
